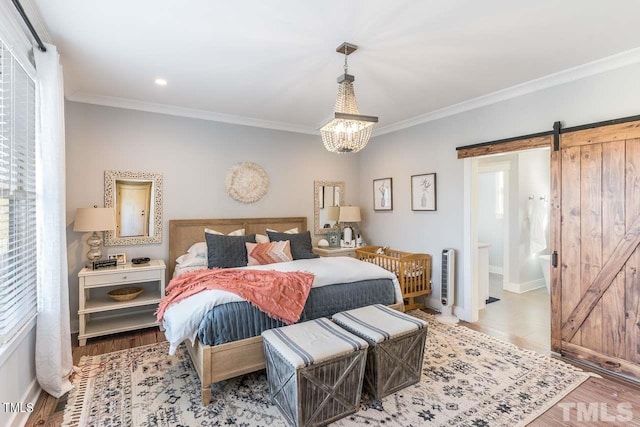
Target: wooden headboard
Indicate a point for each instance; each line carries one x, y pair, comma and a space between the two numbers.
185, 232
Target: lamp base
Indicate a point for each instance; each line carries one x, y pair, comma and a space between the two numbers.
94, 241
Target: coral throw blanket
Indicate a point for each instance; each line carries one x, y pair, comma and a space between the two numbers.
281, 295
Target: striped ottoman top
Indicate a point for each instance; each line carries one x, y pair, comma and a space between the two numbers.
378, 323
308, 343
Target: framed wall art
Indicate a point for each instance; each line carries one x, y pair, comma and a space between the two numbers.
383, 194
423, 192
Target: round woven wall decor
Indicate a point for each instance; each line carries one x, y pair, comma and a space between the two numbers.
247, 182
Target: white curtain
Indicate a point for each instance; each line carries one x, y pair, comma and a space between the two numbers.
53, 338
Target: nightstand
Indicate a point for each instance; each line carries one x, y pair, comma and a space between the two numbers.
100, 315
329, 252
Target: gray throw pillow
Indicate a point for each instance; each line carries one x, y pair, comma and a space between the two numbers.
227, 251
301, 247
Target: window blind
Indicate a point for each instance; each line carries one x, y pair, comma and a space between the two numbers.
18, 256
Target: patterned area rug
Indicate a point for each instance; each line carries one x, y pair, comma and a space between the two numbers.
469, 379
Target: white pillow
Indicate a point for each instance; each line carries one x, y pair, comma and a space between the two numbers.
192, 260
238, 232
199, 249
261, 238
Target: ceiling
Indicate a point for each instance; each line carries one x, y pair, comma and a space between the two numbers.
274, 62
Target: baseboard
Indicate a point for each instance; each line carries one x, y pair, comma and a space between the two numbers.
459, 312
75, 326
496, 269
435, 304
520, 288
30, 397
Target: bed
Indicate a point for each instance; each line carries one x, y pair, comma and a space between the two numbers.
230, 359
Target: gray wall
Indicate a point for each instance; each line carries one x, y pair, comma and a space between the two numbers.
430, 147
194, 157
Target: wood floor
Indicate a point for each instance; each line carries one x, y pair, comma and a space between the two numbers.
606, 392
526, 315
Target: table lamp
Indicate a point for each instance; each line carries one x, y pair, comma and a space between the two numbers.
94, 219
349, 214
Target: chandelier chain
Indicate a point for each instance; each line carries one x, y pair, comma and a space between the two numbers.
346, 67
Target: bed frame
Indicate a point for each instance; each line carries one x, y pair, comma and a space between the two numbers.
221, 362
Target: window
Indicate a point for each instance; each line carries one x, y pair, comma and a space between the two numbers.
500, 195
18, 269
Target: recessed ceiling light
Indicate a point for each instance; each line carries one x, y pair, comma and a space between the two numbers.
161, 82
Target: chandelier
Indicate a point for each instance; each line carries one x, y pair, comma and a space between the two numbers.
348, 131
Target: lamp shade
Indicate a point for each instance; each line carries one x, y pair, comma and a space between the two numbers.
349, 214
333, 213
94, 219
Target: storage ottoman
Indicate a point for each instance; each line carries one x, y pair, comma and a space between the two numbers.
315, 371
396, 346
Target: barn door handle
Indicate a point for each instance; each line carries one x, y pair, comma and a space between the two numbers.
554, 259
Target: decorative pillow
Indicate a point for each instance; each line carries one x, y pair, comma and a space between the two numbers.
227, 251
268, 253
192, 260
200, 249
301, 247
261, 238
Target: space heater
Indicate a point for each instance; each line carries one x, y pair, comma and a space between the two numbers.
447, 287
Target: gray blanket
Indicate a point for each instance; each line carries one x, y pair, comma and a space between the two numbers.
239, 320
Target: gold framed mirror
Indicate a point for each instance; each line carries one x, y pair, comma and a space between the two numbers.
328, 196
137, 201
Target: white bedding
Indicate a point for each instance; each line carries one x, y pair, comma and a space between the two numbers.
181, 320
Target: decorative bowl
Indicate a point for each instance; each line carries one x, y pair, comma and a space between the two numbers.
125, 294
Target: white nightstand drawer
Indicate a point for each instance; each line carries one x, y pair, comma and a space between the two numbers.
115, 277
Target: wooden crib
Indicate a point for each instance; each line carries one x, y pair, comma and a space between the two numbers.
413, 270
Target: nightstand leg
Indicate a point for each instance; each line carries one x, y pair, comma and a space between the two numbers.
82, 319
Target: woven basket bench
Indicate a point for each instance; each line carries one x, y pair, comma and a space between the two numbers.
315, 371
396, 346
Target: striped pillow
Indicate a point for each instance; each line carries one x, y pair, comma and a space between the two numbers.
268, 253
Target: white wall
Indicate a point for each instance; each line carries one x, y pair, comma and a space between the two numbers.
430, 147
534, 181
194, 157
18, 376
490, 227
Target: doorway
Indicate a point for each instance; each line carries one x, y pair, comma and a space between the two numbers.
510, 213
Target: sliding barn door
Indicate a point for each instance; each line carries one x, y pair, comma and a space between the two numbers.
596, 227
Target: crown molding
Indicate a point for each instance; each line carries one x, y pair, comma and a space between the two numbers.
132, 104
565, 76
